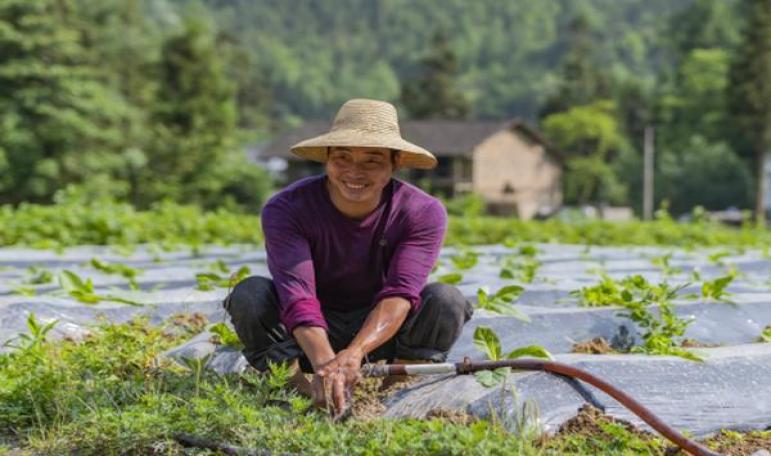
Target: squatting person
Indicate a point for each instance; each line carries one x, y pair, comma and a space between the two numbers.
350, 252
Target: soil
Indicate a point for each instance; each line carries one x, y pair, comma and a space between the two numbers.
693, 343
729, 443
732, 443
368, 398
596, 346
452, 416
587, 423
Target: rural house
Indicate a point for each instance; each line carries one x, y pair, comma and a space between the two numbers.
507, 163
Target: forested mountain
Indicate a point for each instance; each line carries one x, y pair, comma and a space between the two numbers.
159, 97
315, 54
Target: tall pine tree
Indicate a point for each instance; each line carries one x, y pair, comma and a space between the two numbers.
750, 94
432, 92
194, 157
581, 81
58, 119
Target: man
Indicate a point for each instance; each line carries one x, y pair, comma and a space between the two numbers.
350, 252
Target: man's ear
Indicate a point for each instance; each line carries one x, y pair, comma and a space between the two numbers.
397, 160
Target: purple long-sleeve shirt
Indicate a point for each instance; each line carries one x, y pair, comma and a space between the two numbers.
319, 258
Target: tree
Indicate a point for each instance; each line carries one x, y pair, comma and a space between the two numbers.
589, 136
58, 118
581, 82
194, 156
704, 174
750, 93
432, 93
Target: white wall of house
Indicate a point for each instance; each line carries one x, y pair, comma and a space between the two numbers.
510, 169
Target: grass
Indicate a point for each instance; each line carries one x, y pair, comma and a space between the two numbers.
110, 394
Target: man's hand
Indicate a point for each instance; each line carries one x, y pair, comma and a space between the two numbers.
334, 381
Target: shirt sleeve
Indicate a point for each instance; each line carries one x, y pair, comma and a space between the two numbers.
291, 265
415, 255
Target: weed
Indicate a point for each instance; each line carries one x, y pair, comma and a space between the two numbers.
35, 337
113, 394
226, 335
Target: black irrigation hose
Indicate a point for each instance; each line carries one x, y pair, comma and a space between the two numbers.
469, 367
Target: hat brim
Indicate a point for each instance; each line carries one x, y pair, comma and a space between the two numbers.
410, 156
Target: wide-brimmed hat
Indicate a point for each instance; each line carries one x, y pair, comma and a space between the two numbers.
366, 123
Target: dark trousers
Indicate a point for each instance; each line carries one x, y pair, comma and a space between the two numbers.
427, 334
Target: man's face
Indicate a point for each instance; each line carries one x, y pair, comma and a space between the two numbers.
359, 174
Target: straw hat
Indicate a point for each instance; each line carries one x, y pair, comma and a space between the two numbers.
365, 123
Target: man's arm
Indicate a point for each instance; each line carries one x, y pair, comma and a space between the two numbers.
340, 372
380, 326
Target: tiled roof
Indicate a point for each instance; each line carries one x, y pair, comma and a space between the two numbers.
442, 137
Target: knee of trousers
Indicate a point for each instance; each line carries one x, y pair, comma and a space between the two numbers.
447, 304
439, 322
254, 298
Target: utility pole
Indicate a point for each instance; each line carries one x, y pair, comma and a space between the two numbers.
648, 173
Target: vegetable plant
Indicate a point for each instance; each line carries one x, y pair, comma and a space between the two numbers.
716, 289
662, 262
207, 281
83, 290
501, 301
488, 342
662, 333
464, 260
765, 336
118, 268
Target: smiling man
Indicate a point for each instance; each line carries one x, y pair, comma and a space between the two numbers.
350, 252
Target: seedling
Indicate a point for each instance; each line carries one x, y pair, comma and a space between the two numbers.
487, 341
662, 262
520, 268
717, 257
716, 289
465, 260
765, 336
663, 332
210, 280
610, 292
39, 275
24, 291
118, 268
83, 290
502, 301
452, 278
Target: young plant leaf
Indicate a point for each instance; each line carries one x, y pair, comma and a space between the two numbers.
452, 278
487, 342
535, 351
226, 335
